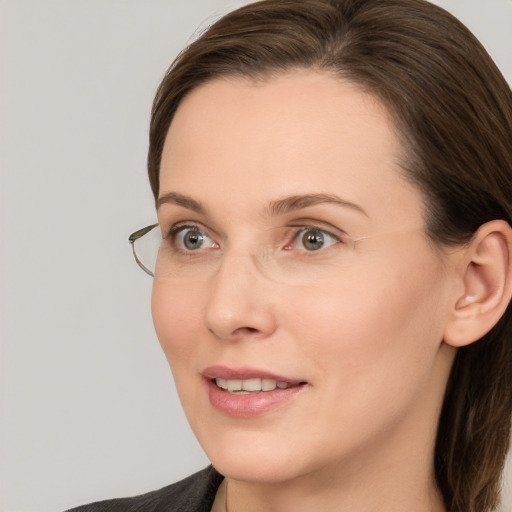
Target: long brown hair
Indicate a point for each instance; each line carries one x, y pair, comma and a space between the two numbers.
453, 110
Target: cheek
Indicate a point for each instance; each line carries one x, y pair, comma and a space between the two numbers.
373, 323
176, 319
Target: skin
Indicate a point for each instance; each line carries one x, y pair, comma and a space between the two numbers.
361, 320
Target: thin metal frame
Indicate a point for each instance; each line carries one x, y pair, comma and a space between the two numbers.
133, 238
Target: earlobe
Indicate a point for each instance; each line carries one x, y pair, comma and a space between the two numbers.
487, 284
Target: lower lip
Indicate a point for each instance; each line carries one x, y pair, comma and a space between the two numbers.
251, 404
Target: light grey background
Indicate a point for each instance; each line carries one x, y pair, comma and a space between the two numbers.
88, 407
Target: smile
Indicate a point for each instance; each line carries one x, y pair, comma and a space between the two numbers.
255, 385
248, 392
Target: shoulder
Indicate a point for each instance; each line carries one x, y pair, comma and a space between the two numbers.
195, 493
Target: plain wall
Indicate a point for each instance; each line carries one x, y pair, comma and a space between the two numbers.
88, 406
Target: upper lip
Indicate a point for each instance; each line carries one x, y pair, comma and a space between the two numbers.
244, 373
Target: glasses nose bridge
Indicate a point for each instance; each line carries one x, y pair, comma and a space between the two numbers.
241, 262
240, 298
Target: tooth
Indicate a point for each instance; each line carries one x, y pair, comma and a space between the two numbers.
221, 383
268, 384
234, 385
251, 385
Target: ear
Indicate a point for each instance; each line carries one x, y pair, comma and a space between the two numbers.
487, 284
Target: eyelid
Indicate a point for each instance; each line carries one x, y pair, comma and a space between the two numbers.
325, 227
181, 226
184, 224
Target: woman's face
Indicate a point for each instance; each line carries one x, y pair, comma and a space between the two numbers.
295, 260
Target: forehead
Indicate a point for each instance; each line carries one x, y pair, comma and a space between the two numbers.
300, 132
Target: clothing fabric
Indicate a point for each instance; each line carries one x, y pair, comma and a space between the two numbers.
195, 493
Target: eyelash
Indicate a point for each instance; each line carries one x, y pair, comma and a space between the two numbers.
299, 230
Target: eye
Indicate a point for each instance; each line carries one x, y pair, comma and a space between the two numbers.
191, 238
312, 239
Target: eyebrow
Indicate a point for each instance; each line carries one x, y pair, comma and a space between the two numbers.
181, 200
275, 208
299, 202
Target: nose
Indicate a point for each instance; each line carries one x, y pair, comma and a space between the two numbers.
240, 301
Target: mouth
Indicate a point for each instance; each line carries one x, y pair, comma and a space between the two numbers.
255, 385
245, 393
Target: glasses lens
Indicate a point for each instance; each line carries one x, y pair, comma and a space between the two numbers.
146, 244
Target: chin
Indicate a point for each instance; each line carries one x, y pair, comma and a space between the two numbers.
252, 457
262, 471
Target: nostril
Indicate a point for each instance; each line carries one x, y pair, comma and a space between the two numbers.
246, 330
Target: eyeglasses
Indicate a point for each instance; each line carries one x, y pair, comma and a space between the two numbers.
305, 255
164, 259
145, 245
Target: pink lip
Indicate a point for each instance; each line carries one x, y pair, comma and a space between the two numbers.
251, 404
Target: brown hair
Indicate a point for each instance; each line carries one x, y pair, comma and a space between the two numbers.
453, 110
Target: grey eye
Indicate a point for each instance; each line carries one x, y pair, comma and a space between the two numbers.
191, 238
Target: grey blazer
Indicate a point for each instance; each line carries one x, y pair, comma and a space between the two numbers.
193, 494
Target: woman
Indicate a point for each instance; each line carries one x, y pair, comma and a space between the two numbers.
332, 181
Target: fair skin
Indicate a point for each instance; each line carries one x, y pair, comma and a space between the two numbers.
355, 326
